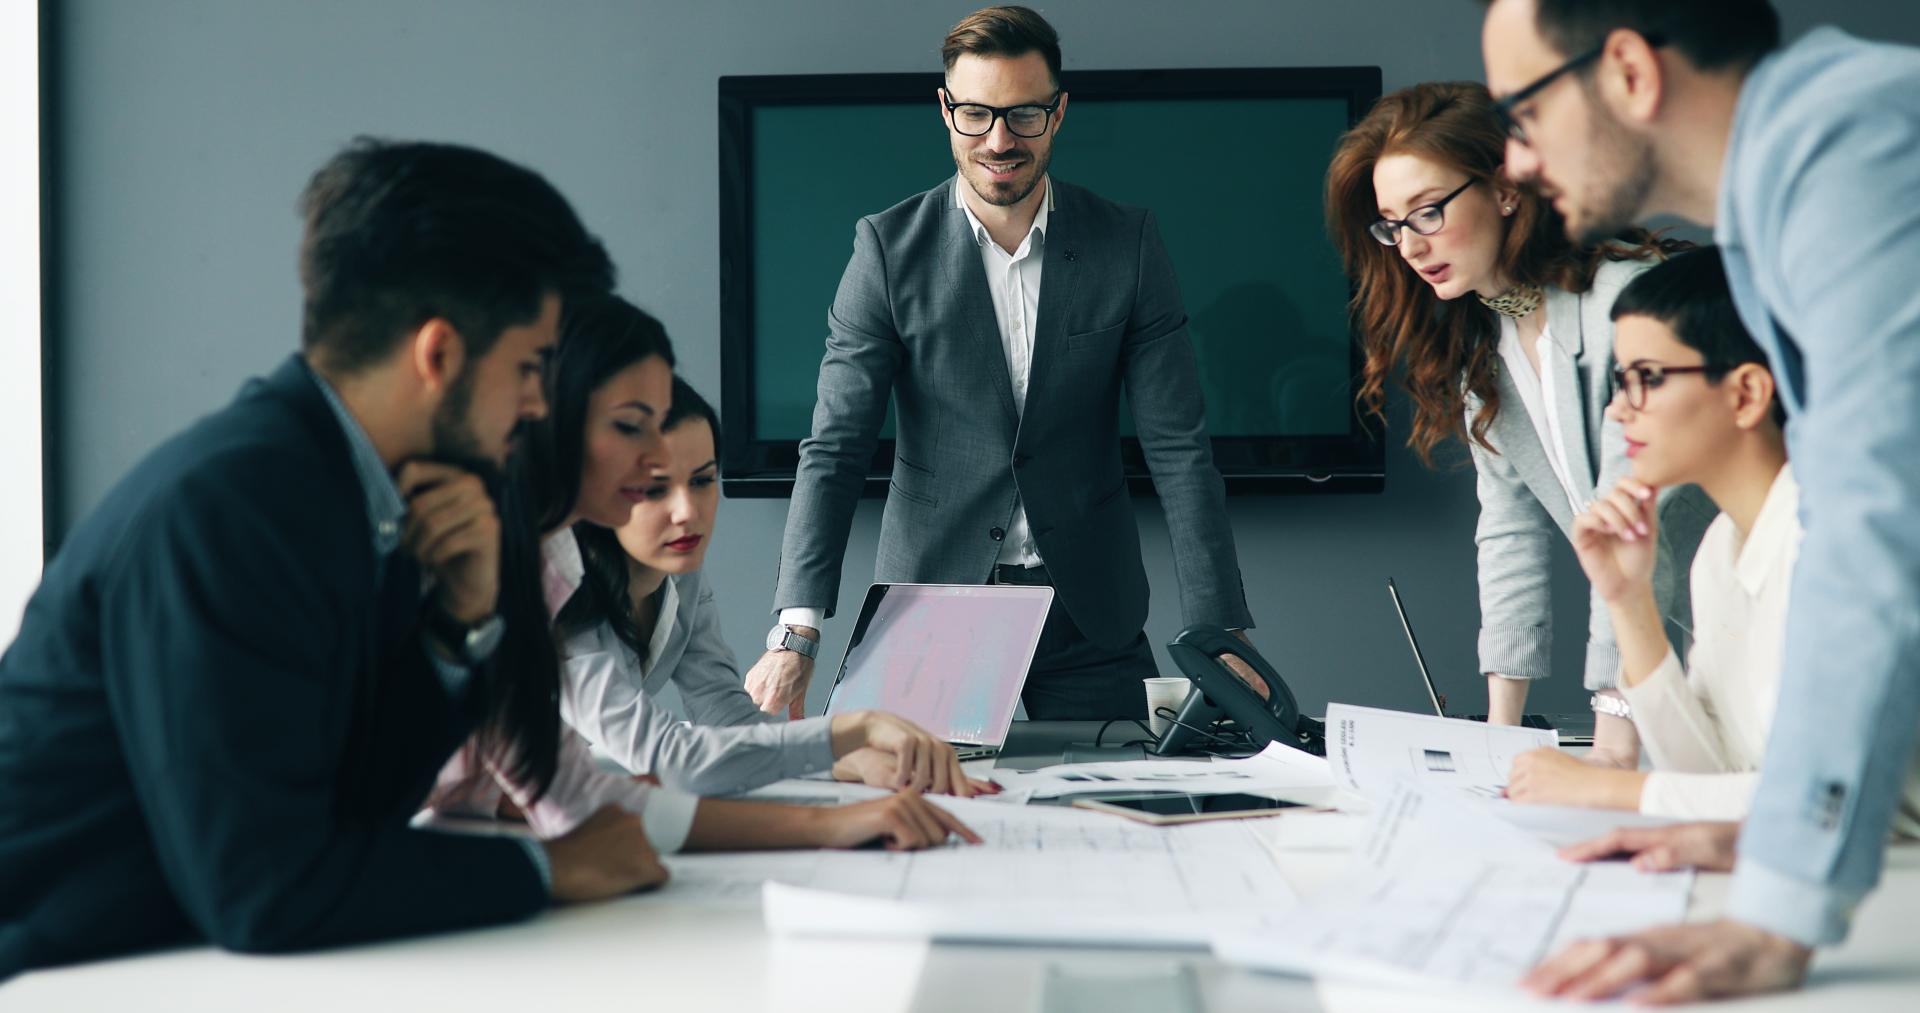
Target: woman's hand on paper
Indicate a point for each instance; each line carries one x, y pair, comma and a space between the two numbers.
902, 822
1551, 777
877, 767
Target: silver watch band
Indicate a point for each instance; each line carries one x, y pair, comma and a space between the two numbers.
1610, 705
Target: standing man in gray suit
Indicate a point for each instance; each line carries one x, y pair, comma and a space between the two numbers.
1005, 312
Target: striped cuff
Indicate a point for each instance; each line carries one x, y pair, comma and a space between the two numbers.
1603, 665
1517, 652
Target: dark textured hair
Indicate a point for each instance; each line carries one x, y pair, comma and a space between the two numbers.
518, 691
1711, 34
688, 404
1450, 350
603, 595
598, 338
397, 234
1003, 31
1690, 295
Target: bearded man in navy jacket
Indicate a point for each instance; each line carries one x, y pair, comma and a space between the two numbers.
243, 670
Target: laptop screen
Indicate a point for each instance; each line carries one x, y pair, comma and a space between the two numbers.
950, 658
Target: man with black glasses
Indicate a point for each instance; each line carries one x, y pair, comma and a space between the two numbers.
1802, 160
1004, 312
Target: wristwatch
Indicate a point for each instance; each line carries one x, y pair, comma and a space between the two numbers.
783, 638
469, 645
1616, 706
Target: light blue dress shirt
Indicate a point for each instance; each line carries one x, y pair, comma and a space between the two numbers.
1819, 224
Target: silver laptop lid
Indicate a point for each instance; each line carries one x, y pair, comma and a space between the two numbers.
951, 658
1439, 705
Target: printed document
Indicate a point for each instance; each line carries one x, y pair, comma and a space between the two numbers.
1044, 873
1439, 894
1278, 770
1370, 749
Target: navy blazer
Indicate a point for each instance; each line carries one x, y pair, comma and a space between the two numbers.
214, 724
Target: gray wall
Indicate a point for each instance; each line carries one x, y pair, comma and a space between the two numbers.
186, 128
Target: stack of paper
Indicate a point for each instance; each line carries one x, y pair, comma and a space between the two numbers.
1044, 873
1279, 771
1442, 893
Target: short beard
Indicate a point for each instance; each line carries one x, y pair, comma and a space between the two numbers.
453, 439
1619, 206
1041, 162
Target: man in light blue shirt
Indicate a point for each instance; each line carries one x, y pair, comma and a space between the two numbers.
1804, 161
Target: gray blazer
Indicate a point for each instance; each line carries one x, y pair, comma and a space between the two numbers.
1522, 502
913, 320
612, 699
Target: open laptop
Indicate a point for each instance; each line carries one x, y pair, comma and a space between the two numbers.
951, 658
1574, 729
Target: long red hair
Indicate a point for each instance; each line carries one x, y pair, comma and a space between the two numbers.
1450, 349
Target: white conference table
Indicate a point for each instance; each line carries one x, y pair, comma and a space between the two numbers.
653, 953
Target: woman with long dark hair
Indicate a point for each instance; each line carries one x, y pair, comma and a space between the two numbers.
609, 387
1468, 284
635, 614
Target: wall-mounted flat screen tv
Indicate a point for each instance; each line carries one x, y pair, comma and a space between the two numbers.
1231, 162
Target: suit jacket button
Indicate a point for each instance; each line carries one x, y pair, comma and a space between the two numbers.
996, 534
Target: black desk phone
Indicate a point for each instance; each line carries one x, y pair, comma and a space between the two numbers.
1219, 694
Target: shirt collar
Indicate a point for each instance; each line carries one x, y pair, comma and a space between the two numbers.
1775, 530
385, 508
562, 570
980, 234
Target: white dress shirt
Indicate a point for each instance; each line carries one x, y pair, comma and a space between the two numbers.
1542, 397
1705, 729
1013, 280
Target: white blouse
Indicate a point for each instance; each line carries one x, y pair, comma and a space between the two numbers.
1705, 729
1542, 398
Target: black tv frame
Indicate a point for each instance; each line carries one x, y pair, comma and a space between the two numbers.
758, 468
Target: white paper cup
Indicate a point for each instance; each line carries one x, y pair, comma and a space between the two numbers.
1165, 692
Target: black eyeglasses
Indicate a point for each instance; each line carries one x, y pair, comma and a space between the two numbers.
1634, 381
1426, 219
973, 119
1503, 109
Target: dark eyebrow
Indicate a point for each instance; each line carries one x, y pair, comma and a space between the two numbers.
709, 466
642, 405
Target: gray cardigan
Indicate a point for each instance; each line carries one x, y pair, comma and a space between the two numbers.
1522, 501
608, 695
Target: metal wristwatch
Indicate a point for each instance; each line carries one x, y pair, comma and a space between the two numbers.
784, 638
470, 645
1616, 706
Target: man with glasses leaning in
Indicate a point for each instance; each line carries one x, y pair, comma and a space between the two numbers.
1004, 312
1802, 159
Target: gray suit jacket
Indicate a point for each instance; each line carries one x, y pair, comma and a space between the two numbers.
1522, 502
914, 320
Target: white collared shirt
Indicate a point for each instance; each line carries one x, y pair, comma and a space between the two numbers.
1543, 399
1013, 280
1706, 728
